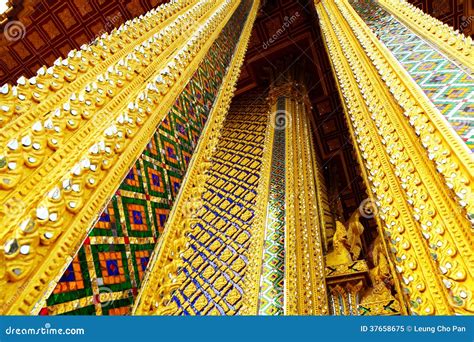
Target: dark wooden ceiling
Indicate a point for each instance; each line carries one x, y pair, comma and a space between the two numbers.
54, 27
456, 13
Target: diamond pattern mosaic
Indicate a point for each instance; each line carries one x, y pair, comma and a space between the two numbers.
106, 274
447, 85
216, 260
271, 300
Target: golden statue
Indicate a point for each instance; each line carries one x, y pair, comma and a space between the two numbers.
340, 254
381, 271
380, 291
346, 241
354, 232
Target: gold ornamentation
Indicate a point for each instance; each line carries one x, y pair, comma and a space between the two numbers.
340, 254
90, 101
378, 300
89, 163
354, 232
161, 280
72, 73
352, 70
433, 208
451, 41
346, 241
443, 146
305, 291
350, 268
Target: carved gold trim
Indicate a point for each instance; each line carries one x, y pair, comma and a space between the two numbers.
411, 257
444, 225
443, 146
292, 254
371, 194
325, 216
305, 292
314, 220
40, 141
455, 44
162, 277
70, 75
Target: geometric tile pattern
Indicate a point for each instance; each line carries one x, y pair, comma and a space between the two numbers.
448, 86
216, 260
106, 274
272, 292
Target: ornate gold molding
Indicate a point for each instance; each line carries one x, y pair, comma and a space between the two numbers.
449, 154
292, 254
318, 293
163, 275
444, 224
63, 197
324, 209
31, 99
305, 286
455, 44
392, 158
50, 127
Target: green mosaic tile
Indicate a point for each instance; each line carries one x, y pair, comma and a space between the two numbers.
111, 267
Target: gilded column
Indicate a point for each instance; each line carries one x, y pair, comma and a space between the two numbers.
252, 238
71, 134
450, 41
302, 221
198, 265
419, 171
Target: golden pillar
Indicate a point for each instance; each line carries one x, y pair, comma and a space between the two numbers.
69, 135
419, 172
305, 225
272, 261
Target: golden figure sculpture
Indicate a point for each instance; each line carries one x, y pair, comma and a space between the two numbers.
354, 233
378, 297
340, 254
380, 273
346, 241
